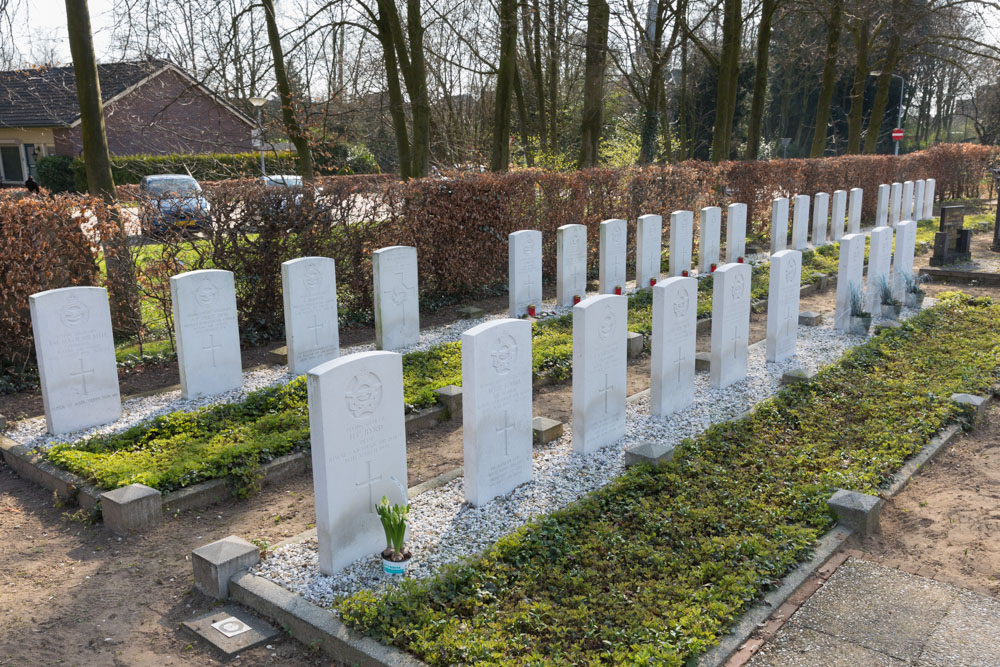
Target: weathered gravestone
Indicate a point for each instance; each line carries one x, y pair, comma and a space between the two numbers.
779, 224
730, 325
599, 372
850, 269
953, 242
524, 271
208, 335
906, 206
918, 200
736, 233
902, 258
648, 246
681, 242
358, 438
612, 256
75, 350
783, 304
854, 211
800, 223
837, 215
882, 206
397, 306
571, 263
821, 212
710, 230
675, 329
929, 198
879, 261
309, 292
496, 408
895, 203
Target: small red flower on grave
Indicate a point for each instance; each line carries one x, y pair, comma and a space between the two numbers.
652, 282
739, 260
618, 290
531, 310
684, 273
714, 266
576, 299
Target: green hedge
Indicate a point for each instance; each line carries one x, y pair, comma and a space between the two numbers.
654, 567
55, 172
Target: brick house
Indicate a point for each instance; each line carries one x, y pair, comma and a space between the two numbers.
150, 106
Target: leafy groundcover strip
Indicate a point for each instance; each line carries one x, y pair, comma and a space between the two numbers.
652, 568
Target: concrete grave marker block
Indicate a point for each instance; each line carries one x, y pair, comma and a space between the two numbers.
208, 335
918, 199
928, 210
906, 206
496, 411
736, 233
309, 292
730, 325
75, 350
216, 562
783, 305
675, 330
397, 305
648, 248
571, 263
599, 372
854, 211
857, 511
358, 452
895, 203
879, 259
902, 259
702, 362
524, 266
779, 224
850, 268
131, 509
796, 375
810, 318
612, 256
634, 344
652, 452
450, 396
469, 312
800, 223
837, 216
545, 430
821, 213
681, 242
710, 230
978, 403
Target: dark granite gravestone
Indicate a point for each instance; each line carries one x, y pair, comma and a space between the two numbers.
952, 243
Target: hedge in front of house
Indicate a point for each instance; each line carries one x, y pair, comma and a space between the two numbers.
55, 172
654, 567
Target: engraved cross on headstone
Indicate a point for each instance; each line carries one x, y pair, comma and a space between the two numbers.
734, 339
212, 347
679, 361
505, 429
399, 291
82, 374
607, 390
369, 482
315, 327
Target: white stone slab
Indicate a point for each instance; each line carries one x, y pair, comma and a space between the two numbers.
358, 437
854, 211
675, 330
800, 223
309, 293
397, 302
524, 271
779, 224
918, 200
736, 233
821, 214
838, 215
710, 229
882, 206
612, 256
929, 198
906, 207
571, 263
75, 351
681, 242
599, 372
783, 305
879, 261
496, 408
207, 331
648, 249
895, 203
850, 267
730, 325
902, 257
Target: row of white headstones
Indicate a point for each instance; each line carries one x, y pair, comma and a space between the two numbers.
356, 401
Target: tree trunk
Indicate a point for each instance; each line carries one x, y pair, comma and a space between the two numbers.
415, 76
829, 79
855, 117
397, 109
538, 77
500, 156
882, 94
522, 118
295, 133
553, 78
651, 115
725, 101
598, 16
760, 80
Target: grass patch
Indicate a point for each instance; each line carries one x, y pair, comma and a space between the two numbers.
652, 568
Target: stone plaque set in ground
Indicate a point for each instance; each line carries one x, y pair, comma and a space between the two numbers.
524, 266
309, 292
952, 243
784, 281
571, 263
648, 249
397, 311
614, 234
710, 231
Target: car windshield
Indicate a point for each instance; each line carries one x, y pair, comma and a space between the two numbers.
181, 187
288, 181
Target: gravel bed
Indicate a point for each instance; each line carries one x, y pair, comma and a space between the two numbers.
444, 529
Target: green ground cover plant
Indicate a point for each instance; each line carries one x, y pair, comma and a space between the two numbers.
652, 568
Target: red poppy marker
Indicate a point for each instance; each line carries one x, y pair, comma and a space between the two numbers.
739, 260
531, 310
714, 266
618, 290
684, 273
652, 282
576, 299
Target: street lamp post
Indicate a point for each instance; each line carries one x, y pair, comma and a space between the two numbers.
899, 109
259, 103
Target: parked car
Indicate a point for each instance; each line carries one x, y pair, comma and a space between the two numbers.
173, 202
282, 180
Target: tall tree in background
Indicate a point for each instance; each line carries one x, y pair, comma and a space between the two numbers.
767, 10
500, 155
829, 79
898, 24
598, 17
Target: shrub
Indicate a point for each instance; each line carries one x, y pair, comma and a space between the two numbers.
55, 172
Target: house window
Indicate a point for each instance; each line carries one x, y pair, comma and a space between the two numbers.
11, 170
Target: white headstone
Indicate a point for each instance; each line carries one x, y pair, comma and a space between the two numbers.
648, 248
358, 437
902, 257
783, 304
612, 256
681, 242
850, 268
800, 223
736, 233
397, 304
496, 408
895, 203
75, 350
779, 224
599, 372
208, 335
929, 198
309, 293
710, 238
854, 211
571, 263
730, 325
918, 200
879, 260
837, 215
821, 212
524, 267
882, 206
675, 330
906, 207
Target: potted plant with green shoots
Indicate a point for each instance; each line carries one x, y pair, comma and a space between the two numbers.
396, 556
891, 306
861, 320
913, 293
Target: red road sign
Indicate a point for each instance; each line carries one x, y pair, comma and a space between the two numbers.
897, 134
